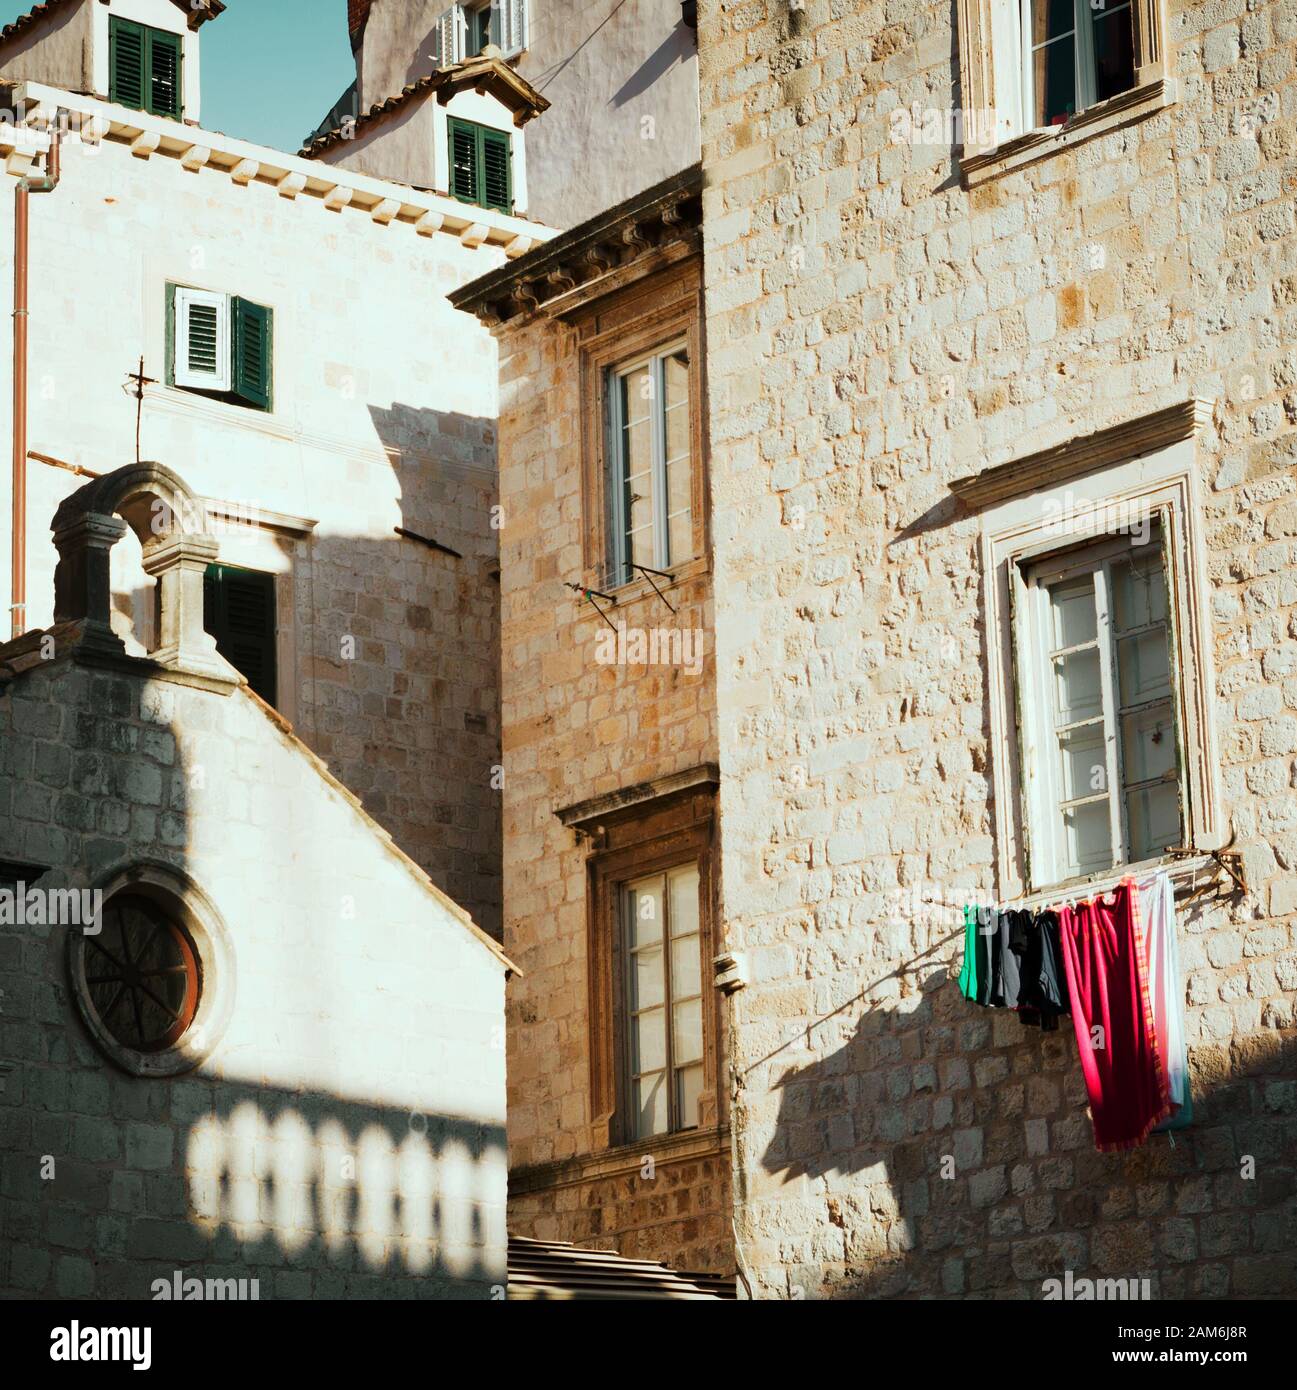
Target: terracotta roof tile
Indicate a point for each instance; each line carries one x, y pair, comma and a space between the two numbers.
199, 13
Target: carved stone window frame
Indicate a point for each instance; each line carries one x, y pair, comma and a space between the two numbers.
633, 834
1056, 499
651, 314
984, 157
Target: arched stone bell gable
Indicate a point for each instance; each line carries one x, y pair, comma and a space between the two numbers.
170, 522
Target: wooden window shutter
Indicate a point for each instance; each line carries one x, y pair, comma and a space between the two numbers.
464, 161
200, 339
164, 54
451, 31
513, 15
126, 45
239, 612
497, 174
253, 352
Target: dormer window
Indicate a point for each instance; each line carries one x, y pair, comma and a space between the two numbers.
145, 68
464, 30
481, 165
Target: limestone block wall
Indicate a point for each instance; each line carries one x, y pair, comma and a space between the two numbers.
383, 417
574, 729
875, 329
363, 1061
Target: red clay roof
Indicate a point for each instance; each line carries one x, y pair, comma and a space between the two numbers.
199, 13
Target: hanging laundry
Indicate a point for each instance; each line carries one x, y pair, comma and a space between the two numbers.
968, 975
1042, 993
1006, 972
1107, 980
1166, 990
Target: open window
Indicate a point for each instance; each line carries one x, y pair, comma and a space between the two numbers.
220, 344
464, 30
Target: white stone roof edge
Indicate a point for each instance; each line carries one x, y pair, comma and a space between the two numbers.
384, 201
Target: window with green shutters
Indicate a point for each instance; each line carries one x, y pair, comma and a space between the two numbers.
239, 612
220, 344
145, 68
481, 165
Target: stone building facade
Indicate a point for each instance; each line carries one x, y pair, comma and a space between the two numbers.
935, 362
326, 1114
609, 746
361, 493
621, 79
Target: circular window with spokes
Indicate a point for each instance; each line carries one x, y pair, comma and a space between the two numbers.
142, 975
153, 976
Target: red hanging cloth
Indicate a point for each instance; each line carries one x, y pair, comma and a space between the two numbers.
1107, 978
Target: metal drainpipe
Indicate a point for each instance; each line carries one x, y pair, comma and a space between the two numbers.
22, 208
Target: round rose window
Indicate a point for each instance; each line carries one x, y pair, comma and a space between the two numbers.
142, 976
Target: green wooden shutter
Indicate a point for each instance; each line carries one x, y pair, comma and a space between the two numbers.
126, 45
464, 162
239, 612
497, 175
253, 352
164, 73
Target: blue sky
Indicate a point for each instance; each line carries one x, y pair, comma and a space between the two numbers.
271, 68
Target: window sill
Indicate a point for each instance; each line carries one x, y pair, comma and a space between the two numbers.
981, 166
1187, 874
633, 590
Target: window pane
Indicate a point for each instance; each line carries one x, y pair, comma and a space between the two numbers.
651, 1105
1153, 819
647, 983
1143, 667
1138, 589
1148, 744
650, 1040
1054, 81
687, 1031
1114, 58
637, 463
1087, 838
644, 910
675, 371
1078, 691
689, 1088
1050, 19
686, 966
1073, 613
684, 899
1084, 770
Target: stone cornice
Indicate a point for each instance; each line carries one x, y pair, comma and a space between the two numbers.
1117, 444
610, 250
343, 190
586, 815
687, 1146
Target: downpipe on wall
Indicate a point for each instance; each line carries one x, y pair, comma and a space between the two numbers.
22, 228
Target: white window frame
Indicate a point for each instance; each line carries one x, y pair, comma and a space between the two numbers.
1026, 518
620, 549
183, 374
509, 28
1083, 57
1035, 693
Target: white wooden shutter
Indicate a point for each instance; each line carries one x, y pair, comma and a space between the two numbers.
513, 26
452, 34
202, 344
1007, 70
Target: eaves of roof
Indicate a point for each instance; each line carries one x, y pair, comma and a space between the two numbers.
480, 74
199, 12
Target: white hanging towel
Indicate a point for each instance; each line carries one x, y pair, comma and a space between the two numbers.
1157, 912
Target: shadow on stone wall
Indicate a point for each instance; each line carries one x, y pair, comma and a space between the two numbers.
868, 1128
